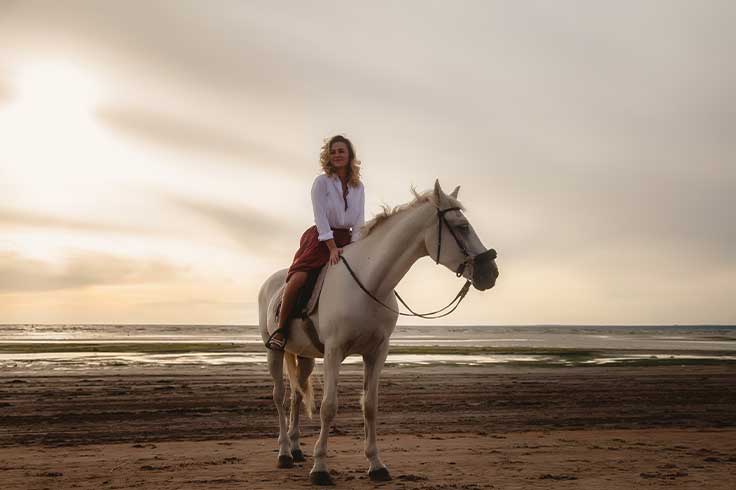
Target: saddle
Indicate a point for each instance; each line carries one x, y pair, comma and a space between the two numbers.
305, 305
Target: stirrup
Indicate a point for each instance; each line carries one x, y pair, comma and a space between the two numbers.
274, 344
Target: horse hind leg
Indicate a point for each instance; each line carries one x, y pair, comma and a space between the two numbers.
276, 368
304, 371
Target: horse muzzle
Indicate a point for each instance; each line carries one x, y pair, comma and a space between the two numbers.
485, 271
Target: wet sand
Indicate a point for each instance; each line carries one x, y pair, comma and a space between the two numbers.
439, 428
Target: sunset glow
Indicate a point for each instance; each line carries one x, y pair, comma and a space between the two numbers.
146, 171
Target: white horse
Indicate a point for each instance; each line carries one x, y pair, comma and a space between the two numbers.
349, 321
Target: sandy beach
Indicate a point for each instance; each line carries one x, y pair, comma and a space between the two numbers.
440, 427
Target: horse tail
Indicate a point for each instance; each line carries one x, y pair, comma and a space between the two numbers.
304, 387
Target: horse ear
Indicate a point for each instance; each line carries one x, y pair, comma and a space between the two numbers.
438, 192
453, 194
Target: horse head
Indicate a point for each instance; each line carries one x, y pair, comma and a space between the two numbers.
452, 242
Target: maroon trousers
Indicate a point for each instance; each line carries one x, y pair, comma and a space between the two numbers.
312, 253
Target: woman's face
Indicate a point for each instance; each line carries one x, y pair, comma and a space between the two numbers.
339, 154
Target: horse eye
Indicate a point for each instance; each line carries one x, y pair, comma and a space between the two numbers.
464, 228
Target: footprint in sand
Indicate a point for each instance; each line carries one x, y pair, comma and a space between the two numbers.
549, 476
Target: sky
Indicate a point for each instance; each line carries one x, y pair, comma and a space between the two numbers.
156, 157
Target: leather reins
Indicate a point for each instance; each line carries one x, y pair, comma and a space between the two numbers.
460, 295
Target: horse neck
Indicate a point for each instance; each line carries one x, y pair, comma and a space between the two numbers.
393, 248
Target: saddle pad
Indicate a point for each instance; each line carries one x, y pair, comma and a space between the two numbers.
314, 297
307, 307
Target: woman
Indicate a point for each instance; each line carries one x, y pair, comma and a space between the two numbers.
338, 202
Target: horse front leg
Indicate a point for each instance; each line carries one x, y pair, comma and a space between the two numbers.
320, 474
372, 366
306, 365
276, 368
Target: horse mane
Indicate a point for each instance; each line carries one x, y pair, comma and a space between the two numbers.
388, 211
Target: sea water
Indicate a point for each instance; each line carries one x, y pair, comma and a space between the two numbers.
65, 347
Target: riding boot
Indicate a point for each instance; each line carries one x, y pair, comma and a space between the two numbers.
291, 293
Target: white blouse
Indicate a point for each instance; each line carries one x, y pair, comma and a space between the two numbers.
329, 207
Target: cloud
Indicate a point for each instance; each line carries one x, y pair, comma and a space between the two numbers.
14, 217
201, 303
276, 57
596, 137
565, 210
250, 229
22, 274
4, 90
193, 136
6, 8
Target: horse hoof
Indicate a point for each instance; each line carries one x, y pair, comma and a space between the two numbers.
285, 461
298, 456
379, 475
321, 478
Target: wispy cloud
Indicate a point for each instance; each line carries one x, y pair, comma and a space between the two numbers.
23, 274
192, 136
5, 90
201, 303
13, 218
595, 137
6, 8
251, 229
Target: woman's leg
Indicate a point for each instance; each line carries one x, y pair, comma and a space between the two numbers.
291, 293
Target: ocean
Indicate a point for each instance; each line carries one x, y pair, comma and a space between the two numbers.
64, 348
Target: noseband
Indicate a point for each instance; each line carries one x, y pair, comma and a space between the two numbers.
488, 255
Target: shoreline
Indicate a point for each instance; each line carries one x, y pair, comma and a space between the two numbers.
39, 357
18, 346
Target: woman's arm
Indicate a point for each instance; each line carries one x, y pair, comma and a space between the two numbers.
334, 251
324, 231
319, 206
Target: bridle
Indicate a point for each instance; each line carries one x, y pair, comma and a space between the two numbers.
440, 221
469, 259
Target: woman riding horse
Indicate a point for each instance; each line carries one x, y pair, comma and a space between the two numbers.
357, 314
338, 202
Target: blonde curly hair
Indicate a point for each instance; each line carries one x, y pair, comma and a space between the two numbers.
324, 159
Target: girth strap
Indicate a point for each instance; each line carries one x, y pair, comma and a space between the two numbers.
312, 333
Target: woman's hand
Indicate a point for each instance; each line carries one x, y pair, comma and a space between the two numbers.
335, 255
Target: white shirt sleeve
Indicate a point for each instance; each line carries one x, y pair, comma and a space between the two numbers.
361, 216
319, 206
